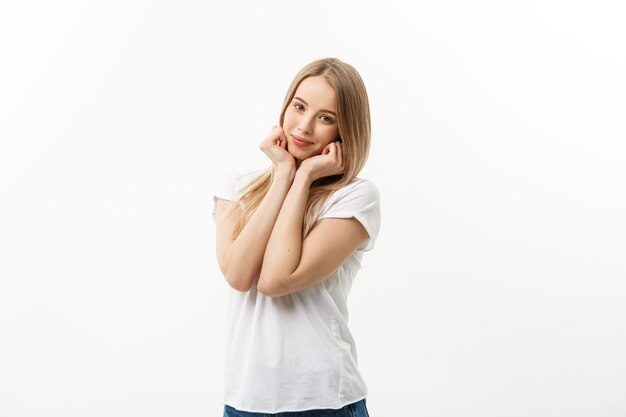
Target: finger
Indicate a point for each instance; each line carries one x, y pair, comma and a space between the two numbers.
334, 150
339, 157
276, 139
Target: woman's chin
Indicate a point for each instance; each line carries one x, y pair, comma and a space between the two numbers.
297, 154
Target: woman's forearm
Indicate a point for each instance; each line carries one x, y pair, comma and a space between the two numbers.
282, 255
244, 258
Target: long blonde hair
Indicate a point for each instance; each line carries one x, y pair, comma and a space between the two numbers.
353, 119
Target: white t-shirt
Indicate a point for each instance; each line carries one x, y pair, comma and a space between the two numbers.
296, 352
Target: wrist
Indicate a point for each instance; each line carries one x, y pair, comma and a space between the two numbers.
304, 176
285, 171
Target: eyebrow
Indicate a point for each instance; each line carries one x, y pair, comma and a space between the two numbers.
327, 111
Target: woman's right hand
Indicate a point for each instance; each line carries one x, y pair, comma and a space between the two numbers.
275, 147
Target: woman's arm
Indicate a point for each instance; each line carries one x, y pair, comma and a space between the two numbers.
290, 264
240, 259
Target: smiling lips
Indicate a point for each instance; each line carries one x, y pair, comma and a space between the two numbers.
300, 141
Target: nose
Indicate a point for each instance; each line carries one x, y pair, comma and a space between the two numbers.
306, 125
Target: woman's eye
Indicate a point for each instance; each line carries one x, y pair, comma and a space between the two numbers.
299, 106
327, 119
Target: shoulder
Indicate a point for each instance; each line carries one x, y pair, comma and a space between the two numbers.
364, 186
359, 195
231, 182
360, 189
360, 199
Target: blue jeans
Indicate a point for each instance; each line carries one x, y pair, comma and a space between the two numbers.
357, 409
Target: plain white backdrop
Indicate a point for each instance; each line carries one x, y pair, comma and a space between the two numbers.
497, 286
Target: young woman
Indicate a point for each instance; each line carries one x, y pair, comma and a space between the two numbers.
290, 242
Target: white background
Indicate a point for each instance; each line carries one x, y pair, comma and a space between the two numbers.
497, 286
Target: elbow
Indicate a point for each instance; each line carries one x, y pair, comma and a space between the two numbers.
239, 285
270, 288
238, 281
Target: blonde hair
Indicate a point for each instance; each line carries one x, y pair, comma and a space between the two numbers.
353, 119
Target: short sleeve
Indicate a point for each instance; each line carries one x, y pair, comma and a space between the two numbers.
229, 185
359, 199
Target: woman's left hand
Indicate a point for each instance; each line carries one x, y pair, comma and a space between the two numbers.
330, 162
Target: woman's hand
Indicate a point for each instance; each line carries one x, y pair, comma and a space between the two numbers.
275, 147
330, 162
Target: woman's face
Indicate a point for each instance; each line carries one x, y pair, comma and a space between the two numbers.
310, 120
